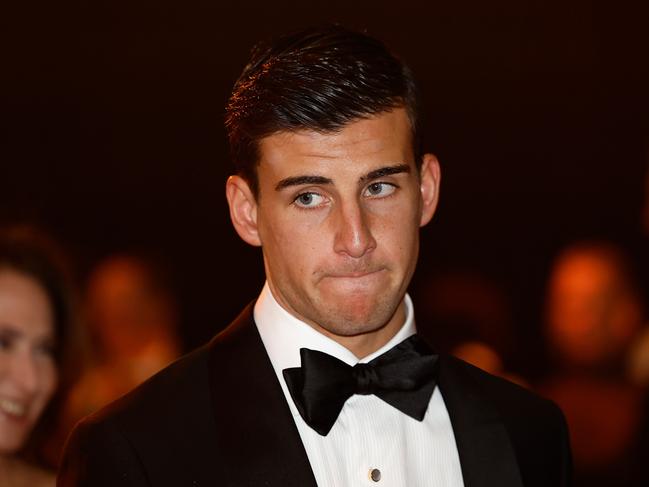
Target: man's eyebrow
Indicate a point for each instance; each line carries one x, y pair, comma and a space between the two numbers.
377, 173
299, 180
385, 171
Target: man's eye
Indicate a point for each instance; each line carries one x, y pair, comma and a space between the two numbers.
309, 200
380, 189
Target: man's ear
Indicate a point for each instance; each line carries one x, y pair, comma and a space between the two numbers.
243, 209
430, 177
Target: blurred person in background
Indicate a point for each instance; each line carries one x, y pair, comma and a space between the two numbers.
472, 320
131, 316
35, 325
638, 363
594, 314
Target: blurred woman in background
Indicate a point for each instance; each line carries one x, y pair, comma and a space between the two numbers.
35, 322
131, 321
594, 316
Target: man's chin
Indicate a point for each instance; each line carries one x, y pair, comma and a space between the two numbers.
355, 300
355, 318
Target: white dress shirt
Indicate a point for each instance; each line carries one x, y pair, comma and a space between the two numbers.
371, 443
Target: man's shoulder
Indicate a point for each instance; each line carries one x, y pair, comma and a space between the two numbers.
164, 429
535, 426
508, 397
172, 387
147, 432
182, 388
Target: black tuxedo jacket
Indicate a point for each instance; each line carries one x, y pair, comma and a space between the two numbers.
218, 417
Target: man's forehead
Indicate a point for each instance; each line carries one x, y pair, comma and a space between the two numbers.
385, 138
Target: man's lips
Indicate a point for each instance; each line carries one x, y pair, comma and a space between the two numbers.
353, 274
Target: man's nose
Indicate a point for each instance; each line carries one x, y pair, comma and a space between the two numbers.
353, 233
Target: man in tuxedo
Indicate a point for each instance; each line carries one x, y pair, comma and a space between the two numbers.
323, 380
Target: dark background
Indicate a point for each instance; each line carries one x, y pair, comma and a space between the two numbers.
112, 137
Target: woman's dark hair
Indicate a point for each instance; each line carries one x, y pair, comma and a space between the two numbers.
319, 79
28, 251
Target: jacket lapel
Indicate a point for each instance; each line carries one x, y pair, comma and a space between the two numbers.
259, 442
486, 453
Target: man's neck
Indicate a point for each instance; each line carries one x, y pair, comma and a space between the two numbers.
360, 345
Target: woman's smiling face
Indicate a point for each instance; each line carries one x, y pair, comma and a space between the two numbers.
28, 372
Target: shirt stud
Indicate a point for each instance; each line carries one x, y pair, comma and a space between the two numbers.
375, 474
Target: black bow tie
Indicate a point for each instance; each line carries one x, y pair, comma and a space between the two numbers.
404, 377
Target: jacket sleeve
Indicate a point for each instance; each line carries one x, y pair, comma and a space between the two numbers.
97, 454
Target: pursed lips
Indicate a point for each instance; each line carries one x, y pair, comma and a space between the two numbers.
353, 274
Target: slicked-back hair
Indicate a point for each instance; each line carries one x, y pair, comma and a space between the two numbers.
318, 79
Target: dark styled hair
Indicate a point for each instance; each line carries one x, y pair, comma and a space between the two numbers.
320, 79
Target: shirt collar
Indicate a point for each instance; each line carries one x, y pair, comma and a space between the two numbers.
284, 335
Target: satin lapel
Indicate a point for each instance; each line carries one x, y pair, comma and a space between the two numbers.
486, 454
258, 439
